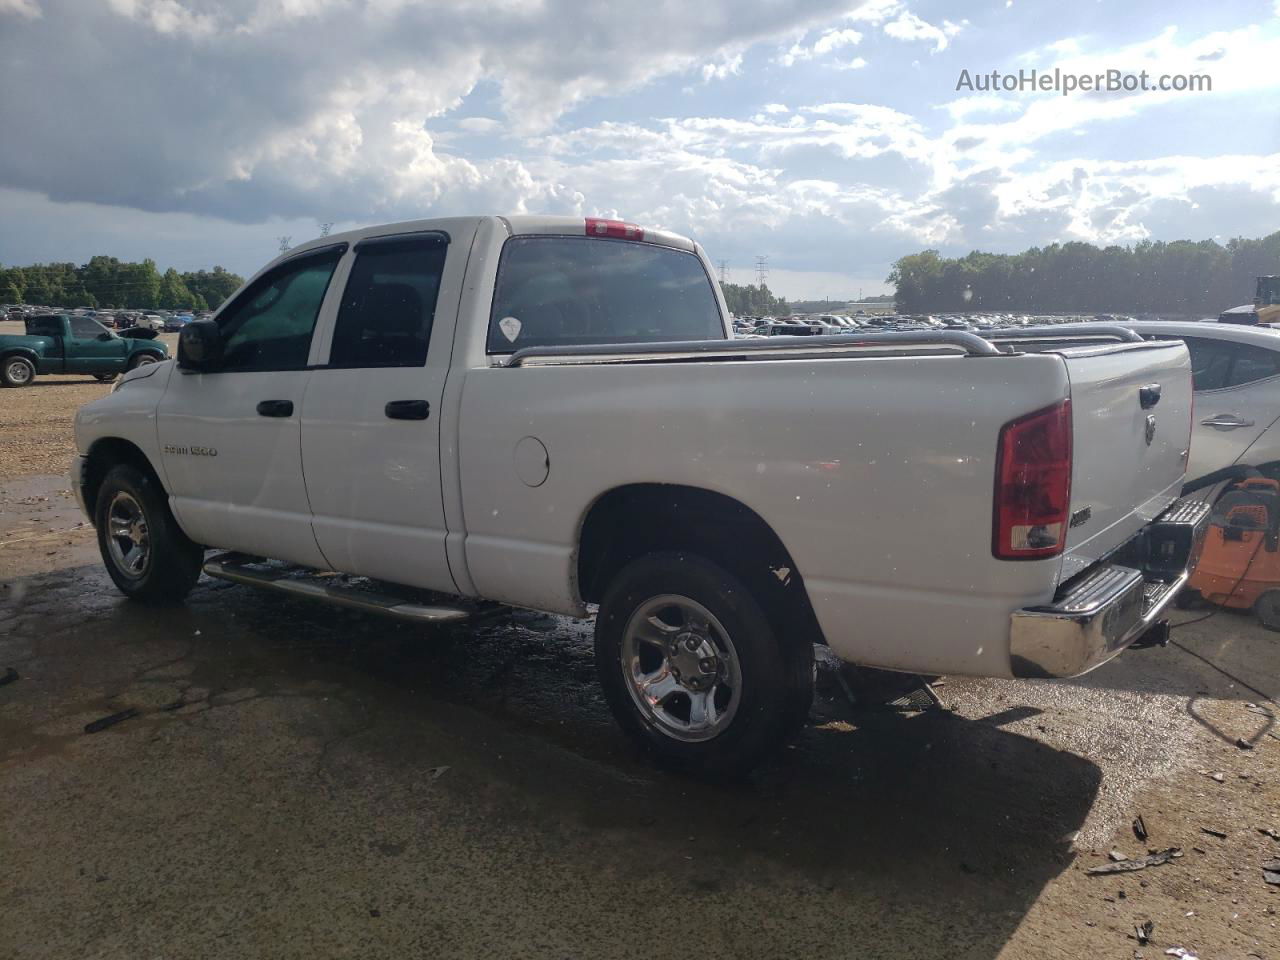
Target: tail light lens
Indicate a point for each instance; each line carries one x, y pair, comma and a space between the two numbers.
1033, 485
596, 227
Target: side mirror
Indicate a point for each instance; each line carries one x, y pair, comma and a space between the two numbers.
200, 346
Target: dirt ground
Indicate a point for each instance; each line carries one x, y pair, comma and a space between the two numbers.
300, 782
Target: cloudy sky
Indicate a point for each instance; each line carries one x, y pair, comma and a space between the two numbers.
827, 135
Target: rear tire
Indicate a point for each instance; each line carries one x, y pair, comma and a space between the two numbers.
1267, 607
692, 667
17, 371
147, 555
104, 377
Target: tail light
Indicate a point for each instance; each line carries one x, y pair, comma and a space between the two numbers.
617, 229
1033, 485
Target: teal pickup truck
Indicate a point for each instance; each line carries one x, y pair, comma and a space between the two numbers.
57, 343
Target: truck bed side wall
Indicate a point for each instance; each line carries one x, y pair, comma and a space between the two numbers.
867, 469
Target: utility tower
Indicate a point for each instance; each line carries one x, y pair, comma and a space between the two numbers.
325, 228
762, 270
724, 271
285, 243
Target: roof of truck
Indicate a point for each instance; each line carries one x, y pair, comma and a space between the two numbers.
518, 225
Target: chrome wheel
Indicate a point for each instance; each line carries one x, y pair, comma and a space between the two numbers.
18, 372
127, 536
681, 668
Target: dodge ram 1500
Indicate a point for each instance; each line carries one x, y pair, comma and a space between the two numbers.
551, 413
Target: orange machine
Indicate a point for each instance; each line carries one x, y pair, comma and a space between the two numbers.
1240, 565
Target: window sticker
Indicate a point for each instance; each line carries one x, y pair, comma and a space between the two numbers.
510, 328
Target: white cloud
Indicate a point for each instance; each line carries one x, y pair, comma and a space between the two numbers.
236, 113
727, 67
908, 27
874, 11
30, 9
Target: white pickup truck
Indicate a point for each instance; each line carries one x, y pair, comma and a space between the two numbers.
551, 413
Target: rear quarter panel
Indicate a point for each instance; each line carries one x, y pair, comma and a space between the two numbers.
876, 473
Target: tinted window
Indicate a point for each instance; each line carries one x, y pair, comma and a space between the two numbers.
559, 291
84, 328
45, 327
1210, 363
1253, 363
389, 303
269, 326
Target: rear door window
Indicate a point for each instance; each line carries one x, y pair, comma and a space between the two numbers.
389, 304
1210, 363
1253, 363
561, 291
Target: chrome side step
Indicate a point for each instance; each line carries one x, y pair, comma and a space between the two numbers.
335, 589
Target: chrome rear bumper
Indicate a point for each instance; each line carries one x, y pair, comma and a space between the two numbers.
1105, 609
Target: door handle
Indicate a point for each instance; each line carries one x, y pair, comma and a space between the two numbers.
1225, 421
407, 409
1149, 395
275, 408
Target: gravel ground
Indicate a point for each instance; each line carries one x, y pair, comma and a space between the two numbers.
303, 782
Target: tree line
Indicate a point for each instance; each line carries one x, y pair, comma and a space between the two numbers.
748, 300
1181, 277
109, 282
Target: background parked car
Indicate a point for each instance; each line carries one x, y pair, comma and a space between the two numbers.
1236, 370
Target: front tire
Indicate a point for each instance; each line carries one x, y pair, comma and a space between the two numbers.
17, 372
692, 667
104, 377
147, 555
142, 359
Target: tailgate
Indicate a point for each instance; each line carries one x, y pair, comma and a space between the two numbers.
1128, 459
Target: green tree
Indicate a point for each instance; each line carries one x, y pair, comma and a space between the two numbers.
1179, 277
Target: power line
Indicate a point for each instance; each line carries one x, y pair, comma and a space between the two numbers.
762, 270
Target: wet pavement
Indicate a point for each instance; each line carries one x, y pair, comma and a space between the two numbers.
300, 781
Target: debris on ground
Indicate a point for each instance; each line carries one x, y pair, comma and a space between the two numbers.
9, 676
1143, 933
1140, 828
1271, 872
111, 721
435, 773
1117, 856
1141, 863
1243, 744
1216, 777
1271, 832
1220, 834
1182, 952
